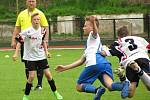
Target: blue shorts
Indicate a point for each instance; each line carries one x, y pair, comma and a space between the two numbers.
91, 73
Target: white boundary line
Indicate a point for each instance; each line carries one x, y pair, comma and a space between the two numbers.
63, 48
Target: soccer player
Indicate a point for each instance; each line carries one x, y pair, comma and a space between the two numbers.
35, 52
97, 67
22, 23
133, 56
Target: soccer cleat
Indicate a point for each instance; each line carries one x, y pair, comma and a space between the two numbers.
120, 72
99, 93
32, 88
38, 87
57, 95
125, 90
25, 97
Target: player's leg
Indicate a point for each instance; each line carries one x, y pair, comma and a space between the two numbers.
107, 80
134, 80
28, 85
132, 89
86, 79
50, 79
39, 78
52, 84
143, 76
24, 61
31, 68
26, 69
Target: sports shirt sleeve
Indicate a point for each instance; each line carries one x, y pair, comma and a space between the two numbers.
148, 47
43, 20
24, 33
18, 21
114, 51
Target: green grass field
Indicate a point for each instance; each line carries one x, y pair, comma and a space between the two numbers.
12, 79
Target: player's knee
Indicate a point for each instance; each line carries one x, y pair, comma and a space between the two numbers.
30, 79
109, 88
79, 88
133, 64
48, 76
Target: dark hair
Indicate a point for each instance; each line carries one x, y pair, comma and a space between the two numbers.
34, 14
123, 31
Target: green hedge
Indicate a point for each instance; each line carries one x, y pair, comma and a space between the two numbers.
76, 7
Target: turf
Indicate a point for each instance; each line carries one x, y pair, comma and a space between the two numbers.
12, 79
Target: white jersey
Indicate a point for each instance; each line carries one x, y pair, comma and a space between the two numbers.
33, 48
92, 51
132, 48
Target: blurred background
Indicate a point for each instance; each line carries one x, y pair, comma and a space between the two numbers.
66, 18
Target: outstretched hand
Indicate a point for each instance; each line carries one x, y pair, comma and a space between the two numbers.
60, 68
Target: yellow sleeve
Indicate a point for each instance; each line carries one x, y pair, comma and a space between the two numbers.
18, 21
43, 20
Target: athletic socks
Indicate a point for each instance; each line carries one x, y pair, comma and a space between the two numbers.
52, 85
122, 78
89, 88
40, 76
139, 71
117, 86
145, 78
28, 88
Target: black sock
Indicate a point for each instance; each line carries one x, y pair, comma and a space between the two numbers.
28, 88
52, 85
140, 73
122, 78
40, 76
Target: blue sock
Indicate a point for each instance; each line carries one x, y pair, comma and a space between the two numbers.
117, 86
89, 88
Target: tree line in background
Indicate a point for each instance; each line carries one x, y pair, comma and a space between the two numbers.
54, 8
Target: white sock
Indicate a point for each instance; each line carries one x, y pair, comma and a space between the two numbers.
145, 79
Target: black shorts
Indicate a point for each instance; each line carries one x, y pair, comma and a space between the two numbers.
144, 65
40, 64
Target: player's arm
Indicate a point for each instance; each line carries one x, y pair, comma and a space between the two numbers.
94, 21
46, 50
95, 28
112, 51
45, 41
77, 63
17, 30
46, 38
44, 24
15, 55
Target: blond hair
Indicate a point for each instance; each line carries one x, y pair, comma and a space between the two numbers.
33, 15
